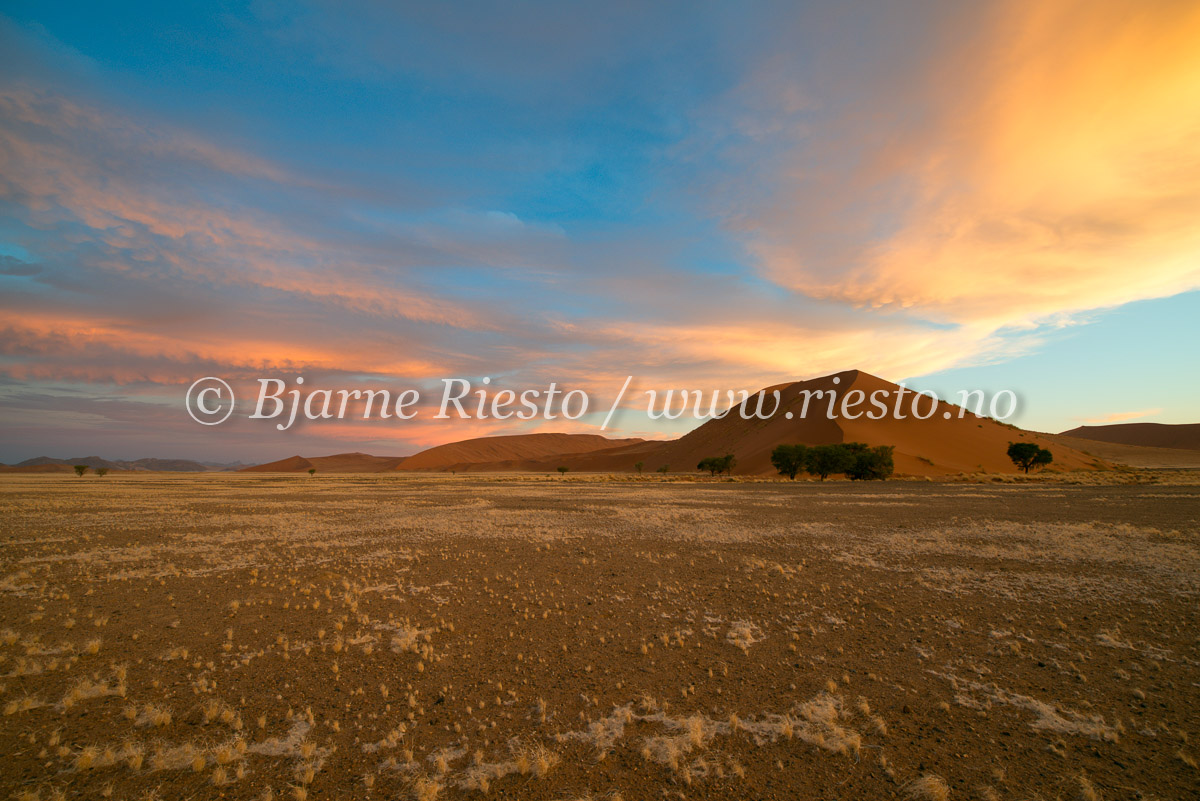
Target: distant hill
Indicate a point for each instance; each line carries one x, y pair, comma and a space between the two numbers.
47, 467
1134, 455
48, 464
513, 450
493, 453
1185, 436
90, 461
338, 463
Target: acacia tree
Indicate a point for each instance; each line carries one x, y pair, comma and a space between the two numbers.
716, 465
664, 469
102, 471
1028, 456
638, 466
867, 463
562, 471
790, 459
825, 460
80, 469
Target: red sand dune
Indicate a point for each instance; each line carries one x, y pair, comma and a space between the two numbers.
339, 463
509, 450
1145, 435
1134, 455
932, 447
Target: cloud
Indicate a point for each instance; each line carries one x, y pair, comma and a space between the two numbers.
815, 189
152, 280
1120, 417
1041, 162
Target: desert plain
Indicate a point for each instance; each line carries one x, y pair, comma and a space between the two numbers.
410, 636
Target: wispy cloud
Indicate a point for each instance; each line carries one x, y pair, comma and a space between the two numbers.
1121, 417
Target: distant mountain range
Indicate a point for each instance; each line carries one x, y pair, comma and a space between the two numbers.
48, 464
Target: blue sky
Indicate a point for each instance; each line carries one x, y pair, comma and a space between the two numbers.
701, 195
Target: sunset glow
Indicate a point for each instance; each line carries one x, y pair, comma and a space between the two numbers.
695, 198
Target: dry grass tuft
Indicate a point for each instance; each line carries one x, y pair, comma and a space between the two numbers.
929, 787
424, 789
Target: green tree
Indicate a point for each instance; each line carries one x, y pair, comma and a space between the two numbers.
666, 468
312, 471
80, 469
867, 463
102, 471
716, 465
562, 470
825, 460
790, 459
1028, 456
638, 466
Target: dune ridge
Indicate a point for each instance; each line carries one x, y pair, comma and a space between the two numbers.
944, 443
932, 447
515, 448
1185, 436
337, 463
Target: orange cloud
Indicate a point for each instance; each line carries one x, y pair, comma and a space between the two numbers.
107, 350
1120, 417
1058, 171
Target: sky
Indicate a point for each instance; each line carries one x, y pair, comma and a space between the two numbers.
993, 195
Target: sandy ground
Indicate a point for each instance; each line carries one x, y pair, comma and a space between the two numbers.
408, 636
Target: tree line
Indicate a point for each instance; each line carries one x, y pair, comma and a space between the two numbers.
857, 460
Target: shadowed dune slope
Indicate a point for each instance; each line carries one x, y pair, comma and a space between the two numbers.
338, 463
1134, 455
509, 452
